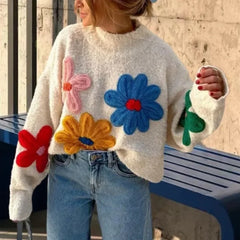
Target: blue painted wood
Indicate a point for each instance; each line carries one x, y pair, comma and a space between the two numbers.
9, 128
205, 179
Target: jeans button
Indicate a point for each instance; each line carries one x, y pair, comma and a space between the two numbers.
94, 157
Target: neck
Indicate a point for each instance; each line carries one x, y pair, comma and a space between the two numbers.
128, 43
120, 26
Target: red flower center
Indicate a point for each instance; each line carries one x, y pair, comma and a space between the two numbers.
67, 86
41, 151
133, 104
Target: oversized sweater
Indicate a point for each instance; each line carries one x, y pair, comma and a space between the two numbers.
127, 93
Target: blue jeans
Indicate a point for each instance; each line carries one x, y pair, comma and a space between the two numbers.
78, 181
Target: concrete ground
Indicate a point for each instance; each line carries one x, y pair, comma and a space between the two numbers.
38, 221
178, 222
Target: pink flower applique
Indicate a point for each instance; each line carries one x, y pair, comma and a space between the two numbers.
36, 148
72, 85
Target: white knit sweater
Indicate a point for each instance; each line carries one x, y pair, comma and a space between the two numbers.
115, 92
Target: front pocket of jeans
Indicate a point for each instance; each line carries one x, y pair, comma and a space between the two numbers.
122, 170
62, 160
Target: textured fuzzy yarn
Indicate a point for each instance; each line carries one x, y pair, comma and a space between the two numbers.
85, 134
116, 92
190, 121
135, 103
73, 84
36, 148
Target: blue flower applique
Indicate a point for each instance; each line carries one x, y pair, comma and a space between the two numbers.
135, 103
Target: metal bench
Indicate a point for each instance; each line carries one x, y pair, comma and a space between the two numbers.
204, 179
9, 128
207, 180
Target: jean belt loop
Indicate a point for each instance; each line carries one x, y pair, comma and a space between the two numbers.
89, 154
110, 159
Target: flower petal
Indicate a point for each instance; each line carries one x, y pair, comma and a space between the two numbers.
119, 116
44, 136
25, 158
73, 101
63, 137
124, 86
80, 82
151, 93
194, 123
41, 163
114, 99
153, 110
188, 102
101, 128
71, 126
142, 122
71, 148
86, 123
27, 140
130, 123
68, 69
186, 137
105, 143
182, 118
139, 86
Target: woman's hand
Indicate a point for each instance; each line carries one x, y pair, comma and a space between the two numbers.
210, 80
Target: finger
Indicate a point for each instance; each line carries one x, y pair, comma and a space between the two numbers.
209, 79
216, 95
205, 72
211, 87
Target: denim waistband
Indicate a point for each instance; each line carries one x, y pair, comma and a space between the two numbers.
98, 157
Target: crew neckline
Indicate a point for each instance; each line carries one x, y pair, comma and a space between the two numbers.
107, 41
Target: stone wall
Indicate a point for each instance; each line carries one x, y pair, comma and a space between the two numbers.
210, 30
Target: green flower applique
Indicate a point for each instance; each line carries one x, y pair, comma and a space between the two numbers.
190, 121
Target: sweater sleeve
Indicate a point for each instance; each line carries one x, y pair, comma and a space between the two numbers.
192, 114
30, 165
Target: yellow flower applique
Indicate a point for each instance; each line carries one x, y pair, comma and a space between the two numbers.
86, 134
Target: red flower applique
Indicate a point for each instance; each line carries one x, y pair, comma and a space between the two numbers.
37, 148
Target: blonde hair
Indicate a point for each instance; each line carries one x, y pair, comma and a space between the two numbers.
131, 8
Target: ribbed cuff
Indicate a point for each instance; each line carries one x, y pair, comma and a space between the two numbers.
20, 206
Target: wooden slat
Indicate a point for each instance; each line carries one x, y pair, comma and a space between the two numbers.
204, 177
191, 179
208, 159
6, 126
186, 185
14, 121
214, 154
11, 125
230, 173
